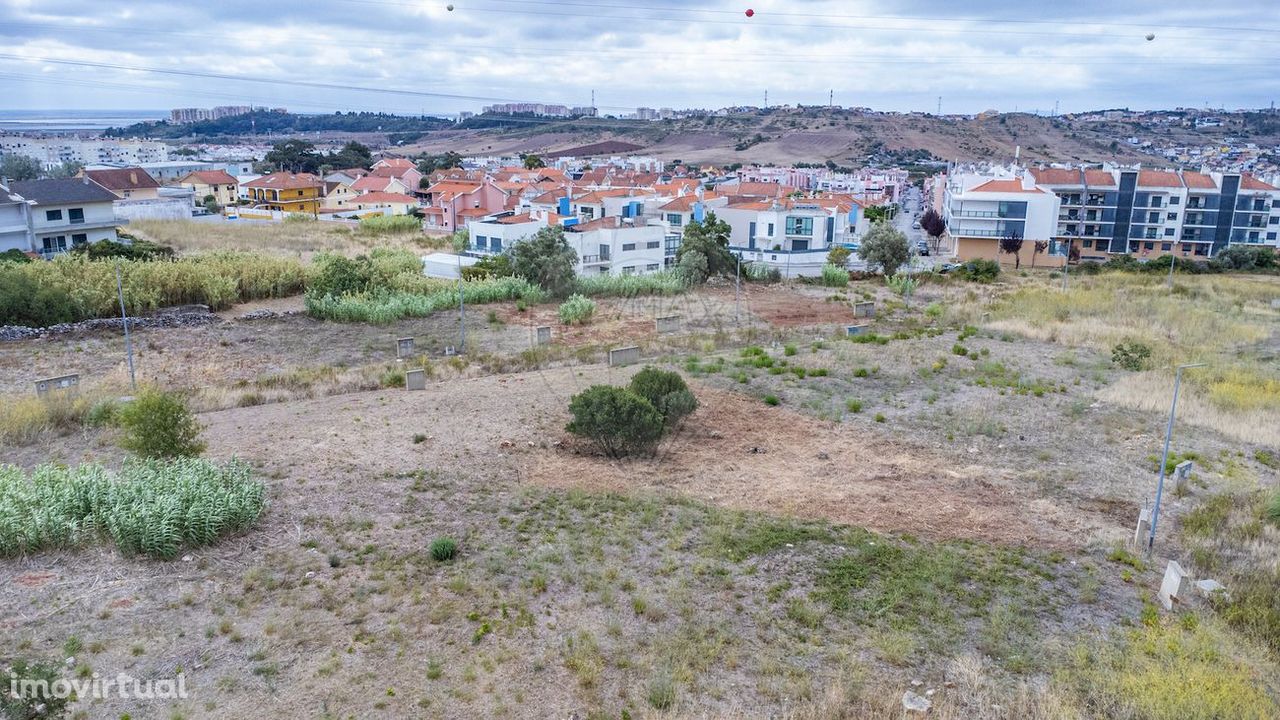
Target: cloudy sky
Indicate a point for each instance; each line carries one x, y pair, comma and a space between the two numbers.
410, 56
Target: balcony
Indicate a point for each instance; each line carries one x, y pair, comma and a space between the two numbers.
595, 260
975, 213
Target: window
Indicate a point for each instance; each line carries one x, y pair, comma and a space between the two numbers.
481, 242
770, 233
1174, 200
652, 245
652, 267
1088, 244
52, 245
299, 193
628, 247
675, 219
495, 244
799, 226
1274, 220
1271, 236
1149, 246
1166, 247
76, 215
1171, 216
1168, 232
79, 239
1153, 217
628, 269
53, 215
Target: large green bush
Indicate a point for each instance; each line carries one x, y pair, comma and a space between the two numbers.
982, 271
619, 421
667, 392
546, 260
431, 296
834, 275
158, 424
150, 507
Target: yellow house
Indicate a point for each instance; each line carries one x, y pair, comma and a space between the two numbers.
286, 192
221, 185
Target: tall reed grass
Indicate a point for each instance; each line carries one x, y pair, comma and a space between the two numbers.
385, 306
153, 508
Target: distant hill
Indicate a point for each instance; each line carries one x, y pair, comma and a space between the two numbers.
782, 136
262, 122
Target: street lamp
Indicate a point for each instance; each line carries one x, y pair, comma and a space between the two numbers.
1164, 457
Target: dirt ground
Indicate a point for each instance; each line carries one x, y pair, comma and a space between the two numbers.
583, 581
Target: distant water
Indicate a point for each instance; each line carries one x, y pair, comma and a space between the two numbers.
70, 121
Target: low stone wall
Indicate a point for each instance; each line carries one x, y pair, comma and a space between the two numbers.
166, 320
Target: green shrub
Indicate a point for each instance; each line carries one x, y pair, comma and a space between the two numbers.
839, 257
133, 250
834, 276
387, 306
1272, 509
392, 378
390, 224
661, 692
667, 282
103, 413
577, 309
151, 507
667, 392
619, 421
1131, 355
14, 255
789, 350
158, 424
854, 405
42, 703
771, 400
1266, 458
959, 349
443, 549
880, 417
983, 271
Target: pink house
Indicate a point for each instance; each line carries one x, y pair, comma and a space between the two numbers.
447, 199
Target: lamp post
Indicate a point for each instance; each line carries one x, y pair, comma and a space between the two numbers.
1172, 258
128, 341
1164, 457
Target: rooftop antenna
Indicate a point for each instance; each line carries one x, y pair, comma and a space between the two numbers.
939, 104
766, 99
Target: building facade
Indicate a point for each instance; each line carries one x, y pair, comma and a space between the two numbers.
59, 215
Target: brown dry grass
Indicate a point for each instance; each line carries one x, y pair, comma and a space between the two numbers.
293, 239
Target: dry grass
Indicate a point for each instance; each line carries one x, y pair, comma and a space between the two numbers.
294, 239
25, 419
1225, 321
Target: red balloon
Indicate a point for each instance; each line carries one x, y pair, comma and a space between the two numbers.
750, 12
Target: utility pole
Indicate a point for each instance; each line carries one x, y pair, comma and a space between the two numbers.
831, 99
1164, 457
1172, 258
737, 290
462, 311
939, 105
766, 99
128, 341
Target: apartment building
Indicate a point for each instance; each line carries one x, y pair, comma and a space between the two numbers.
52, 152
1148, 213
981, 209
59, 215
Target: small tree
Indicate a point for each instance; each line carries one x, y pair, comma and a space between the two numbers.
711, 238
667, 392
19, 167
211, 204
839, 256
533, 162
158, 424
934, 226
619, 421
1011, 242
1039, 247
546, 260
886, 248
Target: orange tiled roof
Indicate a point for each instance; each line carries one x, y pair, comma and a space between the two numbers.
210, 177
1056, 176
1199, 181
286, 181
552, 218
1004, 186
1249, 182
1159, 178
1099, 178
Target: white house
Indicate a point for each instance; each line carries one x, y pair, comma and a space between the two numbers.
611, 245
63, 213
790, 235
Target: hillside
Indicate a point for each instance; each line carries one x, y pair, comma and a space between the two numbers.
812, 135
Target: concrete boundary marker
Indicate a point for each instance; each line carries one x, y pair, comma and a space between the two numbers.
624, 356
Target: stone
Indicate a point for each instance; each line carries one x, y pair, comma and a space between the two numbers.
912, 702
415, 379
542, 335
1181, 475
1175, 586
670, 323
1142, 533
1211, 588
624, 356
404, 347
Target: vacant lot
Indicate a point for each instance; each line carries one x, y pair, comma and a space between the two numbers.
940, 509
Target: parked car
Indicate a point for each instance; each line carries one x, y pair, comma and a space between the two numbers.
922, 247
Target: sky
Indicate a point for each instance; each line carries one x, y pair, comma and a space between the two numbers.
420, 56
